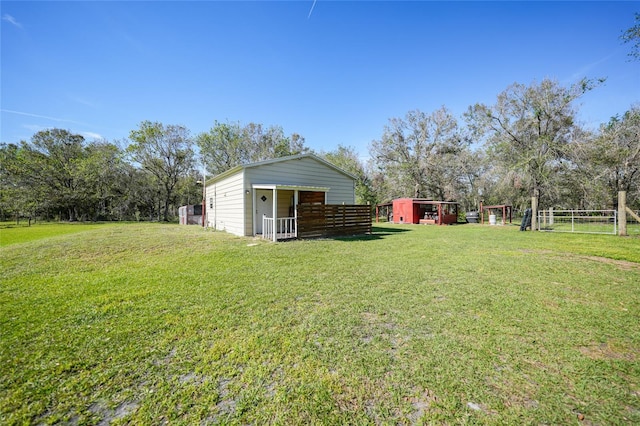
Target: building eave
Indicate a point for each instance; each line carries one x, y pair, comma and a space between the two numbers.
237, 169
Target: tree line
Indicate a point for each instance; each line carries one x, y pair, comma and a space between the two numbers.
528, 142
59, 175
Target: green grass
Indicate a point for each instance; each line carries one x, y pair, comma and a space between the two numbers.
151, 324
11, 233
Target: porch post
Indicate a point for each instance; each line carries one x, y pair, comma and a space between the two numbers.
295, 212
254, 213
275, 215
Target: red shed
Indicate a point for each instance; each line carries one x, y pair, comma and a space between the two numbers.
419, 210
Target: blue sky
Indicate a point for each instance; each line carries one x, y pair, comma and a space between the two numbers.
333, 71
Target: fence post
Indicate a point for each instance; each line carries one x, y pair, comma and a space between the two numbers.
622, 213
534, 213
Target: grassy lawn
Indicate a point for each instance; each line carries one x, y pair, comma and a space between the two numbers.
11, 233
152, 324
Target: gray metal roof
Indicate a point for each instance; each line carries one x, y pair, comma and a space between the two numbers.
236, 169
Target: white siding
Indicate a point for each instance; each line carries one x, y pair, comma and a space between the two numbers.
305, 171
232, 209
228, 211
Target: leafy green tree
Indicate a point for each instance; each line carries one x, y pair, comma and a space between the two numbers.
166, 153
271, 142
347, 159
222, 147
610, 161
189, 188
57, 172
632, 35
17, 194
51, 165
528, 132
142, 199
418, 156
474, 178
227, 145
105, 187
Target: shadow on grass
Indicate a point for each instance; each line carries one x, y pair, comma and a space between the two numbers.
377, 233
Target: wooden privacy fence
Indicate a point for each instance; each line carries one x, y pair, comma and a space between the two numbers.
331, 220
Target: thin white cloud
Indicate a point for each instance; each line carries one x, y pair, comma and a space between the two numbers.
28, 114
10, 19
312, 7
83, 101
35, 128
588, 68
91, 135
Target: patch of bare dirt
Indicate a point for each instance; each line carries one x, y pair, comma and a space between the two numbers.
381, 326
421, 405
109, 415
608, 350
622, 264
226, 405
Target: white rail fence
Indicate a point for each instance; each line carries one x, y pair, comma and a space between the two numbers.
578, 221
280, 229
633, 226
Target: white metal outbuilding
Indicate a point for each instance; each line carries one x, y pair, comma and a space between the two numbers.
239, 200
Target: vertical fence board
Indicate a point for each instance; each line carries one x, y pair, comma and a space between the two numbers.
329, 220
